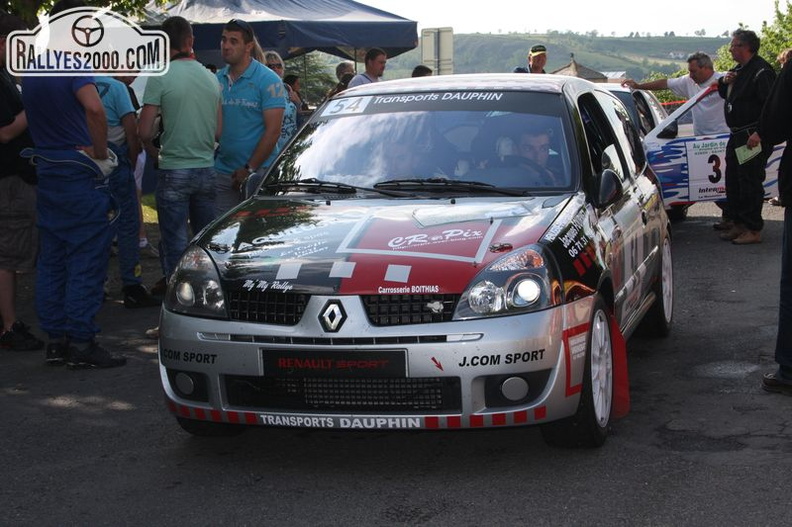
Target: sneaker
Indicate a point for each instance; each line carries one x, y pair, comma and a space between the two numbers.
775, 201
19, 338
136, 296
94, 356
775, 383
153, 333
732, 234
56, 353
160, 288
748, 237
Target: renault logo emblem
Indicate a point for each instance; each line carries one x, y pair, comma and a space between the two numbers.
333, 316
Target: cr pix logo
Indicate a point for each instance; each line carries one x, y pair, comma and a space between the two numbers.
87, 41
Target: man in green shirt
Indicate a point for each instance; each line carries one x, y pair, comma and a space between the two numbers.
188, 98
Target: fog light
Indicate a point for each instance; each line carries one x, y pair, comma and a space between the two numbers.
185, 383
514, 388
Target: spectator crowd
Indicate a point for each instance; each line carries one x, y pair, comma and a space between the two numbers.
73, 150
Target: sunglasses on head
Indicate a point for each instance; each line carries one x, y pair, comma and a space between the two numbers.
241, 24
275, 65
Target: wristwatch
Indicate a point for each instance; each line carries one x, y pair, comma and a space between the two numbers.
250, 169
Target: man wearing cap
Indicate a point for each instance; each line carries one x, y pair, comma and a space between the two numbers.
537, 58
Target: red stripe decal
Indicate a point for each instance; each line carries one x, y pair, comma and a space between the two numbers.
199, 413
432, 422
454, 421
476, 421
216, 416
540, 412
250, 418
586, 259
579, 267
233, 417
184, 411
521, 417
571, 332
498, 419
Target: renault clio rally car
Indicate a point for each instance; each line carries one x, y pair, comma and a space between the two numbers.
451, 252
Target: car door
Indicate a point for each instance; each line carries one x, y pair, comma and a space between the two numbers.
644, 252
622, 222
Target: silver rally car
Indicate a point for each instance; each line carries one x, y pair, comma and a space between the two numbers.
453, 252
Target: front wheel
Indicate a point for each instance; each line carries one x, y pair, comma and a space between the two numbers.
589, 426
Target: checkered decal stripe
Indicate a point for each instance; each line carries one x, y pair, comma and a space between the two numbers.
522, 417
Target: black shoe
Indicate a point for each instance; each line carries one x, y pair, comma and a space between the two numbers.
19, 338
136, 296
57, 352
160, 288
774, 382
94, 356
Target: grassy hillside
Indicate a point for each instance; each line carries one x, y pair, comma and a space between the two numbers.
486, 53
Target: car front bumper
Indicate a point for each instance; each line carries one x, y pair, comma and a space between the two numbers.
500, 371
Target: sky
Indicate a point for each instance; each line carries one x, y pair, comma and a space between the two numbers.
581, 16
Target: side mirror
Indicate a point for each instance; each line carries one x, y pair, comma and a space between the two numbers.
670, 131
609, 188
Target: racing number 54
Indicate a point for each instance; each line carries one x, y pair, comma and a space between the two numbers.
715, 161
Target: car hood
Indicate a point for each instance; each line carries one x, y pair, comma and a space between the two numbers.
371, 246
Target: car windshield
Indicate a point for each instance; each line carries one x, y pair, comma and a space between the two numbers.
459, 142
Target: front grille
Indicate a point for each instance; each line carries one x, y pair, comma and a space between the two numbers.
283, 309
399, 310
420, 395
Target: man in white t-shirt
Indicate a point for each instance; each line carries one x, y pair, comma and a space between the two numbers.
708, 115
375, 66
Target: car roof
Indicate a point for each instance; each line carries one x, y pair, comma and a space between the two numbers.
478, 81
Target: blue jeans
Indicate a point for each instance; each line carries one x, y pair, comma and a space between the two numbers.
74, 210
185, 194
783, 351
124, 191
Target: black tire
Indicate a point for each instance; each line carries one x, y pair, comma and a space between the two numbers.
206, 429
589, 426
658, 320
678, 212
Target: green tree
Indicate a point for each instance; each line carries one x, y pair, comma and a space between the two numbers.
315, 77
777, 36
28, 9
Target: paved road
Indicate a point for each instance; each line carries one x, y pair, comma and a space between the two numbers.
703, 445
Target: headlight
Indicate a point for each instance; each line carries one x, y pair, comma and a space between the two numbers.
525, 280
194, 287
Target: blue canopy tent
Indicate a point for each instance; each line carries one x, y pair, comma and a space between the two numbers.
294, 27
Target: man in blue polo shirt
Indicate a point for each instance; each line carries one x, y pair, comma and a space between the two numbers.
253, 105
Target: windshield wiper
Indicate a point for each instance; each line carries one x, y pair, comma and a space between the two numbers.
444, 185
318, 186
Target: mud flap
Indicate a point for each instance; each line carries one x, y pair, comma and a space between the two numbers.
621, 378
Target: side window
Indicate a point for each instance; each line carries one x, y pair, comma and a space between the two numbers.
634, 144
645, 116
600, 135
626, 135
